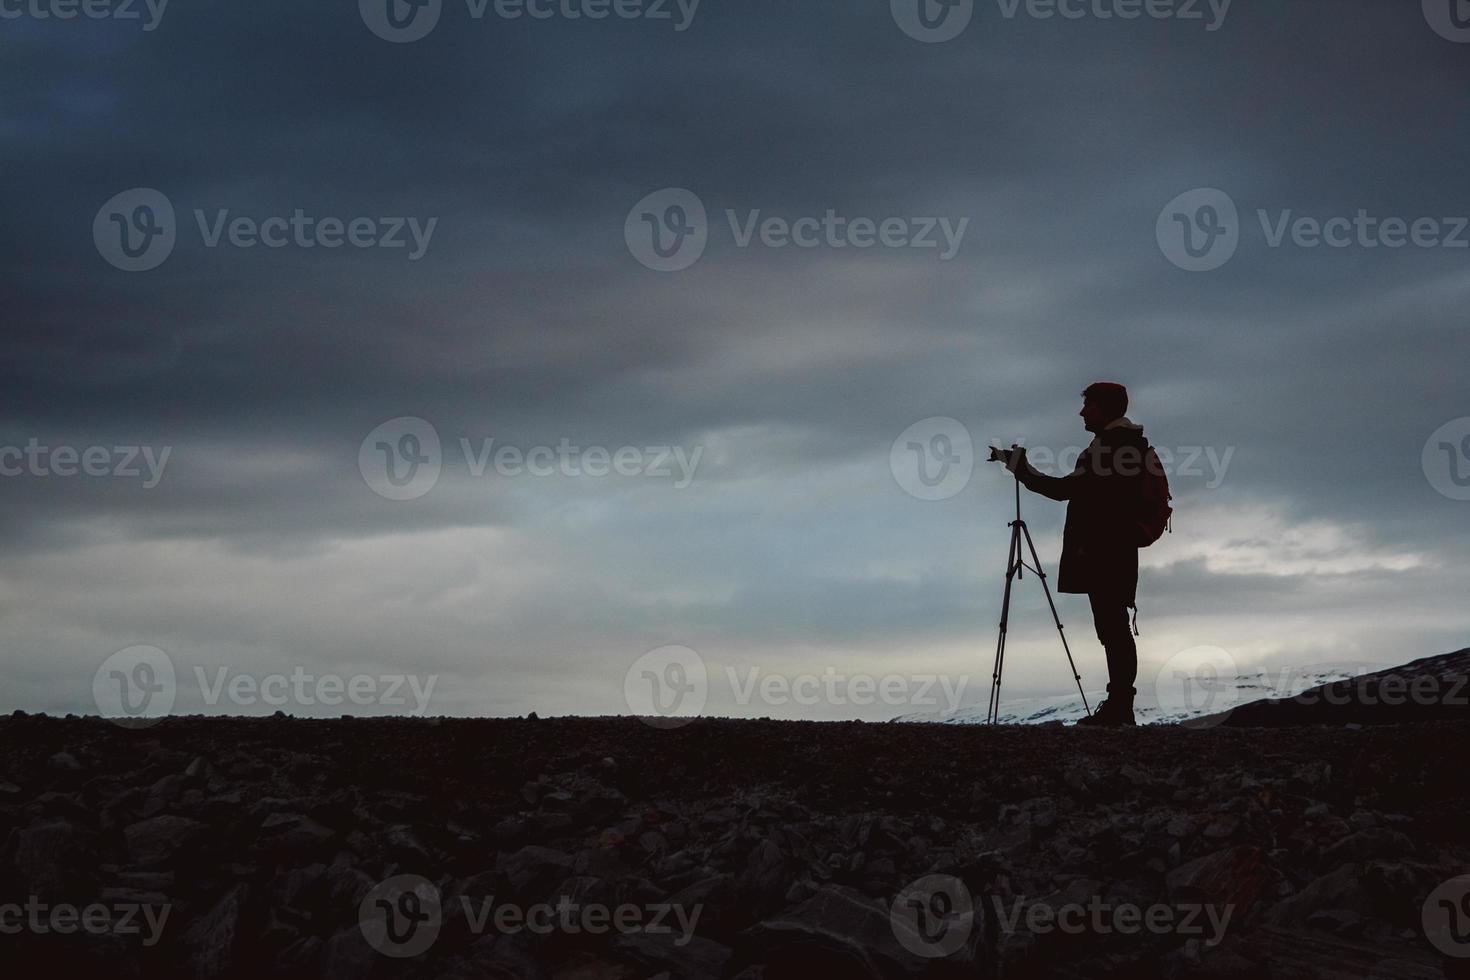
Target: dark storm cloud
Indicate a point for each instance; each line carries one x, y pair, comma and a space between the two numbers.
528, 320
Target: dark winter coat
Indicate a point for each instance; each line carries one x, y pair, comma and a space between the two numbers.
1104, 495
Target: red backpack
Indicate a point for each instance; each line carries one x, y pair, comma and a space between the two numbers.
1154, 511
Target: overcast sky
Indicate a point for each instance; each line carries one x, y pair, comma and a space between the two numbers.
764, 511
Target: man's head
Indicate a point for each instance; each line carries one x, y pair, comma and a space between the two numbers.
1103, 402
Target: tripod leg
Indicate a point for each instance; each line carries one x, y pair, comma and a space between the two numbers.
1013, 565
1036, 564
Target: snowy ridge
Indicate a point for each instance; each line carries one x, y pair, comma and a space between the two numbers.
1147, 709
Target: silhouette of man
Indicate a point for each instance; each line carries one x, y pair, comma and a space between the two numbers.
1099, 554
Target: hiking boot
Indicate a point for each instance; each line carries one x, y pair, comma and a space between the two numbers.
1123, 713
1113, 712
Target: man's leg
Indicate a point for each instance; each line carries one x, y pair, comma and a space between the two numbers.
1110, 619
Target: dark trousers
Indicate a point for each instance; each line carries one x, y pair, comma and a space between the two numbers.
1110, 618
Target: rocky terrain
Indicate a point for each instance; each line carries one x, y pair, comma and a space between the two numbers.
253, 848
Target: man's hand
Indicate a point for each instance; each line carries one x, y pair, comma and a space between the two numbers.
1014, 458
1016, 461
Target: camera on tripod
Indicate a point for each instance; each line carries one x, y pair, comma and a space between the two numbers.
1004, 455
1016, 566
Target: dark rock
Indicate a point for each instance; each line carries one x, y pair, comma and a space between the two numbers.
1340, 891
683, 956
347, 956
718, 899
1234, 877
763, 882
291, 832
838, 932
160, 840
1295, 953
499, 957
533, 871
54, 857
1375, 842
346, 886
163, 794
63, 762
212, 939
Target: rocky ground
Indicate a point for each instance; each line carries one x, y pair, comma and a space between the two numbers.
259, 848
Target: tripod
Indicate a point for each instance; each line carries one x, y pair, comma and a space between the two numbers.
1014, 565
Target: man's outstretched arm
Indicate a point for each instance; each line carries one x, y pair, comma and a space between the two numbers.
1054, 487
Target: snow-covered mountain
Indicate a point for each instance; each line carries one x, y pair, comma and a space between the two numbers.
1244, 688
